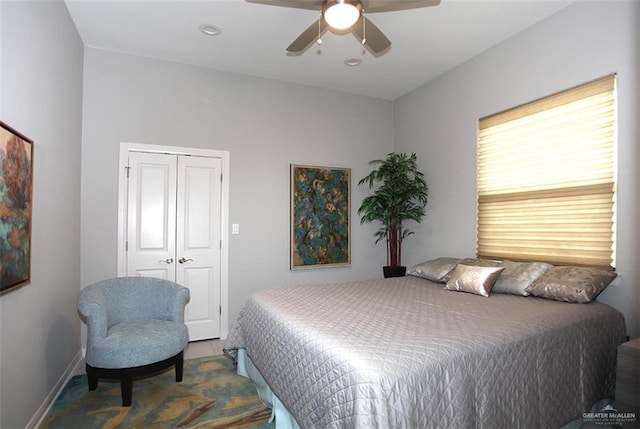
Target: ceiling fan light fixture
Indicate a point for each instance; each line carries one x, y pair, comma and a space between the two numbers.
341, 14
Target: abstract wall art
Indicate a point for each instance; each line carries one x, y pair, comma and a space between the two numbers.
16, 177
320, 216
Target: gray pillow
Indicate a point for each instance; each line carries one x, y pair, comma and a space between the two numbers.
436, 270
479, 262
517, 276
572, 284
472, 279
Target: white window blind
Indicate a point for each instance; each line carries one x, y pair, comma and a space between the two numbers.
546, 179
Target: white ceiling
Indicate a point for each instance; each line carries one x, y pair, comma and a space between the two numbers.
425, 42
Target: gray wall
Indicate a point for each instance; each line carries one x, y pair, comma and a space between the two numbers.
264, 124
41, 90
439, 122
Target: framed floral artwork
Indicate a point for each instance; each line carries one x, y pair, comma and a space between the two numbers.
16, 177
320, 216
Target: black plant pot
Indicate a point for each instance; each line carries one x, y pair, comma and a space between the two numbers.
394, 271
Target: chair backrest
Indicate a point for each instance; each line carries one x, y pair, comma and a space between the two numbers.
137, 298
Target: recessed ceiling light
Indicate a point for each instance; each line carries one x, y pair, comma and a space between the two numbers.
210, 29
352, 62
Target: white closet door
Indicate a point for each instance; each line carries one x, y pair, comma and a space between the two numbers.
151, 216
198, 242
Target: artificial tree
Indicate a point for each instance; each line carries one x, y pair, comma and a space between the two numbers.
400, 194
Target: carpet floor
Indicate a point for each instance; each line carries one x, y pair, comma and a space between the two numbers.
211, 395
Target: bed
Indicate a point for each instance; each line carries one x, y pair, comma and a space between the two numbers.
405, 353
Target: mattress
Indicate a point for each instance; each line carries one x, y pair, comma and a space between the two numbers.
405, 353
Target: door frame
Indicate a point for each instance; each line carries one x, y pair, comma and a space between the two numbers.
125, 149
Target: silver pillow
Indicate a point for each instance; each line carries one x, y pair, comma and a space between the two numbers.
479, 262
472, 279
572, 284
517, 276
436, 270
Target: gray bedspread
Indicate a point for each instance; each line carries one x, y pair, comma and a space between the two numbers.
404, 353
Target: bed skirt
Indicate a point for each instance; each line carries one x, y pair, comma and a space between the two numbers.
246, 368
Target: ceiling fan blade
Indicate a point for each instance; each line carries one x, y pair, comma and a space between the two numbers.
308, 37
375, 39
373, 6
300, 4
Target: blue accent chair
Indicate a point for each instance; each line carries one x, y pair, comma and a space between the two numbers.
135, 327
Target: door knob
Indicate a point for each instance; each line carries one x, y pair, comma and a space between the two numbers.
167, 261
182, 260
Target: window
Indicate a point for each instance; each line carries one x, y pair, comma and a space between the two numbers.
546, 179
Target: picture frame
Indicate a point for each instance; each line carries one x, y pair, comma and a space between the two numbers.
320, 216
16, 192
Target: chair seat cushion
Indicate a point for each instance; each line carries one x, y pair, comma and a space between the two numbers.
140, 342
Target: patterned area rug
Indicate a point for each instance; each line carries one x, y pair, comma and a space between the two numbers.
211, 395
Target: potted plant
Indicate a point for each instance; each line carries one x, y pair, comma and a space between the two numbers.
400, 194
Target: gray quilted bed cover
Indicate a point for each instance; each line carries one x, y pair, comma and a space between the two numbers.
405, 353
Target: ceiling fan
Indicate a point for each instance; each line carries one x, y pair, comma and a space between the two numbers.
346, 16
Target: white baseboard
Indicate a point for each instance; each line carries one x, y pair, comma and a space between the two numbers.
75, 367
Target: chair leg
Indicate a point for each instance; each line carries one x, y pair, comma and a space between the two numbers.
93, 382
126, 388
179, 368
127, 375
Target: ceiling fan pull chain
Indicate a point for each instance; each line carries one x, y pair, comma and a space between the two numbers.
364, 28
319, 41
